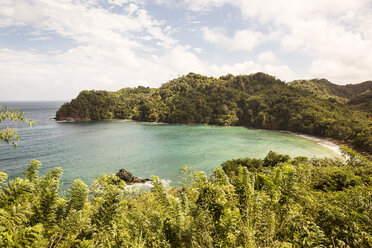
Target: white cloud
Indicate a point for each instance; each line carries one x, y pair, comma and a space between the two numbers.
62, 76
119, 2
339, 54
198, 50
114, 50
215, 36
194, 5
204, 4
106, 55
268, 57
73, 19
335, 34
282, 72
132, 8
40, 38
243, 40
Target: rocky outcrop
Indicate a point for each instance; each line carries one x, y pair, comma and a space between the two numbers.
129, 178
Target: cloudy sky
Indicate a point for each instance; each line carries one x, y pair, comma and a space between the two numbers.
52, 49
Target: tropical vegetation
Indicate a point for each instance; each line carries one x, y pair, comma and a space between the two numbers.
272, 202
10, 134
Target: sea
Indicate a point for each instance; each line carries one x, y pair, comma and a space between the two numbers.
86, 150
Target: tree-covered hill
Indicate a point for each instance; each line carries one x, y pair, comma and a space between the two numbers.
275, 202
356, 95
362, 101
257, 100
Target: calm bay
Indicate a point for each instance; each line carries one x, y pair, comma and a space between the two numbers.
86, 150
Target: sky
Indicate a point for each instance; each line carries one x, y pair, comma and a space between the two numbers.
53, 49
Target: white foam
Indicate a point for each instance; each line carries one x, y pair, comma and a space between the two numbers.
148, 185
66, 121
121, 120
154, 123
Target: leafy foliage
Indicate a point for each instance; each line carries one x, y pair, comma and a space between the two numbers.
272, 202
358, 96
9, 134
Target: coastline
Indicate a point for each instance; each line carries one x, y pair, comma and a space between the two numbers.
332, 144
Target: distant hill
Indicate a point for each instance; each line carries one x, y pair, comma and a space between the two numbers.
315, 107
356, 95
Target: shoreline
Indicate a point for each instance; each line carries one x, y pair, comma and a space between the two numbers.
332, 144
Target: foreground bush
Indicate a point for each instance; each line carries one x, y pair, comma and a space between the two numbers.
274, 202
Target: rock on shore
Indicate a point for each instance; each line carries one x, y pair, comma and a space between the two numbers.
129, 178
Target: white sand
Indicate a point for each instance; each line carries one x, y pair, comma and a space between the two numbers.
321, 141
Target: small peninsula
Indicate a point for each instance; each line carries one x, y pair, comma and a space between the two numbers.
315, 107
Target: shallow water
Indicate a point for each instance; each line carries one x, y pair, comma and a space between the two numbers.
88, 149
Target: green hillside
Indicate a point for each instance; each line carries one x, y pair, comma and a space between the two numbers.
257, 100
356, 95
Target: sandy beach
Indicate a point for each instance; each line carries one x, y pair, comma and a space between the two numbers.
331, 144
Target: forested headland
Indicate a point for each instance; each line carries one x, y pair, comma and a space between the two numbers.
315, 107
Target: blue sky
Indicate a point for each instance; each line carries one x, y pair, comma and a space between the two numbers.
52, 49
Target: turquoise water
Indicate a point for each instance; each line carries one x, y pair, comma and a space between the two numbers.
86, 150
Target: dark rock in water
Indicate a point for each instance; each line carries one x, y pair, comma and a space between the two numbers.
129, 178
